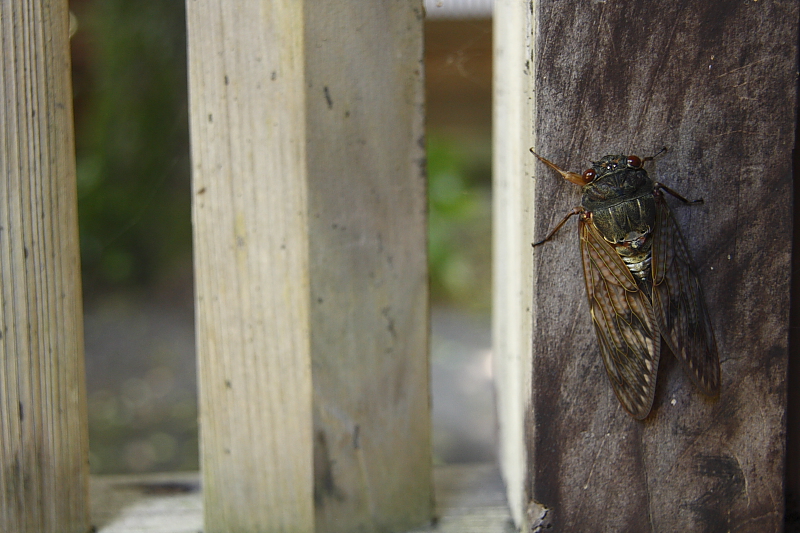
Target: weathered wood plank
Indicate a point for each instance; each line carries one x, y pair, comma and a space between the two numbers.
43, 433
512, 261
469, 499
334, 89
369, 278
715, 82
246, 80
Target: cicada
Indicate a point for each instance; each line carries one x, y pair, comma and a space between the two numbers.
640, 281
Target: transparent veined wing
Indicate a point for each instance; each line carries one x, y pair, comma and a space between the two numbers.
624, 322
679, 305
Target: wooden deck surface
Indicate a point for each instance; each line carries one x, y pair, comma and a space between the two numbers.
469, 499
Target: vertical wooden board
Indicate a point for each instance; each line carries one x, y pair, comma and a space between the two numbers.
251, 263
43, 433
368, 264
714, 82
512, 267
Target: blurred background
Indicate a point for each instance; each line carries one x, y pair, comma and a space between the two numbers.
132, 142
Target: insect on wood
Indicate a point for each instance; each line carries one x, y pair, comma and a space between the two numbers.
639, 279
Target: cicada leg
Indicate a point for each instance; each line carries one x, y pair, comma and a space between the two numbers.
575, 211
659, 186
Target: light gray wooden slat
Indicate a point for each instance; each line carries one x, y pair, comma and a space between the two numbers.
309, 186
247, 108
43, 433
715, 82
512, 261
368, 265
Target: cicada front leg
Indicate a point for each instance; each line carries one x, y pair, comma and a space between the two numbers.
575, 211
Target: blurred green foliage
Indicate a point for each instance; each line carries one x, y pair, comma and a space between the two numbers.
134, 202
132, 141
459, 222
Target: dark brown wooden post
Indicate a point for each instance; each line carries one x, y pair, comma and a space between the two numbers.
714, 82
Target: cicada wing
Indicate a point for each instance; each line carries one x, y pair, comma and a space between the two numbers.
678, 303
624, 322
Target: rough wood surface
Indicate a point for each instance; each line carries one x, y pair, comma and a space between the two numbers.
246, 84
469, 499
43, 434
369, 278
715, 82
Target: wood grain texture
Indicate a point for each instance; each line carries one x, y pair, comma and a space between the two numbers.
368, 265
715, 82
43, 433
247, 112
335, 90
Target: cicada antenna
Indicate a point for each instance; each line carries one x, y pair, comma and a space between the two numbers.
652, 157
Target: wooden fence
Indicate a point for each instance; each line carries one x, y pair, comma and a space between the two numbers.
307, 122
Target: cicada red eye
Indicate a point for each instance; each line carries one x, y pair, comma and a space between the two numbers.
589, 175
634, 161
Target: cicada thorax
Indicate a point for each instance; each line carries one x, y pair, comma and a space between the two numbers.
620, 203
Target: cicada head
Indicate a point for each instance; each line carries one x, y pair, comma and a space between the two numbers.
613, 164
615, 178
